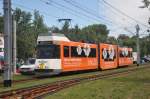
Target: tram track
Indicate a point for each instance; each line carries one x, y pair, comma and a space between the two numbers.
39, 91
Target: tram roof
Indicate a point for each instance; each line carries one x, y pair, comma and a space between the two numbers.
52, 37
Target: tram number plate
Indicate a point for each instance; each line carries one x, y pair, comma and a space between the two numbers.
42, 66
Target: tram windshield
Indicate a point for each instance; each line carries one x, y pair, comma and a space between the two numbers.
48, 51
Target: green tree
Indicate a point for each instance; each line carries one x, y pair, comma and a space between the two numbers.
74, 33
112, 40
65, 28
38, 27
122, 38
76, 29
54, 29
27, 32
38, 24
145, 43
23, 31
95, 33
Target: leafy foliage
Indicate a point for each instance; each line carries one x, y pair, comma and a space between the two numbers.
92, 33
96, 33
145, 45
27, 32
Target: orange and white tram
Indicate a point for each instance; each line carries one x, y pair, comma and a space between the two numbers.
57, 56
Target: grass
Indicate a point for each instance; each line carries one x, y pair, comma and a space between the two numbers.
50, 79
134, 85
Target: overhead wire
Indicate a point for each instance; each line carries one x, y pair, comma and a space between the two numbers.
78, 12
121, 12
77, 5
60, 8
90, 12
85, 10
118, 15
112, 11
51, 5
34, 10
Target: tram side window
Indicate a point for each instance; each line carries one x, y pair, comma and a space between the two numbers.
93, 52
82, 53
74, 52
121, 55
107, 56
66, 51
130, 54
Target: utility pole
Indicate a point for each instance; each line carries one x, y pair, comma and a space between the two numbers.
14, 46
137, 44
7, 43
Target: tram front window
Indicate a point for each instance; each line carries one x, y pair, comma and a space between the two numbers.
48, 52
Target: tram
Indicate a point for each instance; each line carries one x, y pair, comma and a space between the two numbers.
57, 54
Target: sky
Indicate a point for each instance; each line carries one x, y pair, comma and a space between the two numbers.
87, 12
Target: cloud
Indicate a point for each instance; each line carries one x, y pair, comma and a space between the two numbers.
131, 8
